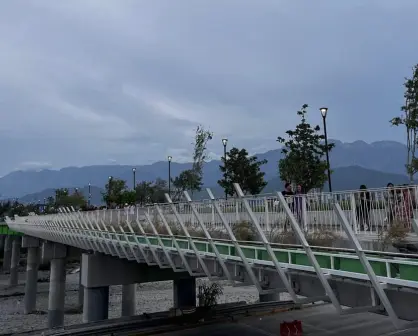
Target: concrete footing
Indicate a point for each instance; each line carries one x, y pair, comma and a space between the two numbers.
269, 297
129, 300
56, 293
7, 256
96, 304
14, 266
184, 293
31, 285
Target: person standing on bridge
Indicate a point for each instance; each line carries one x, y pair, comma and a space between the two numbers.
288, 195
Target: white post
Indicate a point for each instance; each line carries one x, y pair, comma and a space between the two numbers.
304, 213
353, 212
267, 220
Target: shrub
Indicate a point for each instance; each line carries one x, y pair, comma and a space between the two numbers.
209, 294
396, 233
244, 231
322, 237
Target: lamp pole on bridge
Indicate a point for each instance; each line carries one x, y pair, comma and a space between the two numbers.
324, 111
109, 190
169, 174
134, 177
89, 199
224, 143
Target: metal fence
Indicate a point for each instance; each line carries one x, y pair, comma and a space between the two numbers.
368, 211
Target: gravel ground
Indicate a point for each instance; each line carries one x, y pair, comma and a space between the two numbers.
151, 297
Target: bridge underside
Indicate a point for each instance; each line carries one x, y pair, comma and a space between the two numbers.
354, 293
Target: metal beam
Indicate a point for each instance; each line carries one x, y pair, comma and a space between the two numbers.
368, 268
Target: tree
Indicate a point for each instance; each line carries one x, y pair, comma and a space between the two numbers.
187, 180
64, 199
148, 192
242, 169
114, 192
143, 192
409, 118
200, 155
191, 179
128, 197
304, 152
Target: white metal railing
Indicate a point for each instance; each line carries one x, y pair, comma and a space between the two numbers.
369, 212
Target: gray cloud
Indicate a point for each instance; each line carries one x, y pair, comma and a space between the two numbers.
88, 81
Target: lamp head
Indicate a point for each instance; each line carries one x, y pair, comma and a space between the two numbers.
110, 177
324, 111
224, 141
169, 158
134, 170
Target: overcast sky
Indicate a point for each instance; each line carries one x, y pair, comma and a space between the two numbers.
100, 82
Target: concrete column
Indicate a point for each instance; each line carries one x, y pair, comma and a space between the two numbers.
129, 300
269, 297
7, 257
31, 285
2, 239
56, 293
184, 293
80, 287
14, 267
96, 304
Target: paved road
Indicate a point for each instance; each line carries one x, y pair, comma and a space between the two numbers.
316, 321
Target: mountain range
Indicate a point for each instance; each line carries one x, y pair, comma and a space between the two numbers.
355, 163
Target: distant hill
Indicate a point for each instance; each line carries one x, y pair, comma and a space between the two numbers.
96, 195
345, 178
382, 156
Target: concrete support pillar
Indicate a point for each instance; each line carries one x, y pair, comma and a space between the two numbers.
57, 253
128, 300
269, 297
2, 239
56, 293
80, 287
14, 266
31, 285
96, 304
184, 293
7, 257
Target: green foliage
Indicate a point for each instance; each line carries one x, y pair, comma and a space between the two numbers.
409, 119
115, 192
200, 155
304, 151
242, 169
191, 179
188, 180
151, 192
10, 209
64, 199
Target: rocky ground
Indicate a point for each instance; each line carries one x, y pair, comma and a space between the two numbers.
151, 297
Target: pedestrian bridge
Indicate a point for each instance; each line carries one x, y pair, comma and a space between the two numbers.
353, 280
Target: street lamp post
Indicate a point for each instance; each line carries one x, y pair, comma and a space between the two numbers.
224, 143
109, 189
324, 111
134, 177
169, 174
89, 199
